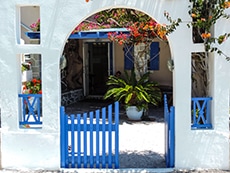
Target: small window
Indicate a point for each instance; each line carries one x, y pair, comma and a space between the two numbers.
30, 24
30, 97
200, 103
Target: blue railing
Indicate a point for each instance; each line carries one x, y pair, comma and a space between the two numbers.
201, 113
90, 140
31, 109
169, 116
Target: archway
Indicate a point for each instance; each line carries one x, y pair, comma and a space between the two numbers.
156, 75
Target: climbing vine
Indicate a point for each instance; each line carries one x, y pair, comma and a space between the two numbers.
142, 31
205, 14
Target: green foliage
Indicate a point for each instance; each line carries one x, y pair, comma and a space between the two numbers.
25, 67
132, 92
205, 14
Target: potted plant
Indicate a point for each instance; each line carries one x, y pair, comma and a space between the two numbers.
26, 72
35, 27
134, 94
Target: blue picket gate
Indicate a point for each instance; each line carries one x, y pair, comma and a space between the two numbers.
90, 140
169, 116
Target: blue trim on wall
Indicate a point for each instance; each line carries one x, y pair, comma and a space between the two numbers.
101, 33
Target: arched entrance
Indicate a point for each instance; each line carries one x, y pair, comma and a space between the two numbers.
88, 48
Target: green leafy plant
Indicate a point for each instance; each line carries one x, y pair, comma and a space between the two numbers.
132, 92
25, 67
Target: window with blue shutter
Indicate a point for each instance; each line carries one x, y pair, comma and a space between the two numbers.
153, 63
154, 56
128, 53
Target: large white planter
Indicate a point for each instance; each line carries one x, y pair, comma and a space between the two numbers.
133, 113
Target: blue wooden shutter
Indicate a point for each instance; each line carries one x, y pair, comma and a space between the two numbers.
111, 58
128, 56
154, 56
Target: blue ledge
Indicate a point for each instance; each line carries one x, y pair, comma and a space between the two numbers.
102, 33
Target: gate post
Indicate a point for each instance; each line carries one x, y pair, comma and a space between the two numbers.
63, 136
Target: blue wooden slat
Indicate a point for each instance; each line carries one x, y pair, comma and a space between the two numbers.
38, 108
194, 114
110, 136
62, 136
66, 138
116, 134
208, 119
85, 140
72, 141
91, 140
172, 137
97, 139
103, 137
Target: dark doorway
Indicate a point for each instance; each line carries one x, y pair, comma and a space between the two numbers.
97, 68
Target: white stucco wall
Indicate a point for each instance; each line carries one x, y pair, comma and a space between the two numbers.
41, 148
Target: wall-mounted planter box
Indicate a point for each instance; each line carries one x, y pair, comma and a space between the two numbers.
33, 35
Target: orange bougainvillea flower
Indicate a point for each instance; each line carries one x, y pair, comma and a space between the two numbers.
146, 27
206, 35
227, 4
86, 0
193, 15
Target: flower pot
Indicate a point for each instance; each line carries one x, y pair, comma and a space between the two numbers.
27, 75
133, 113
